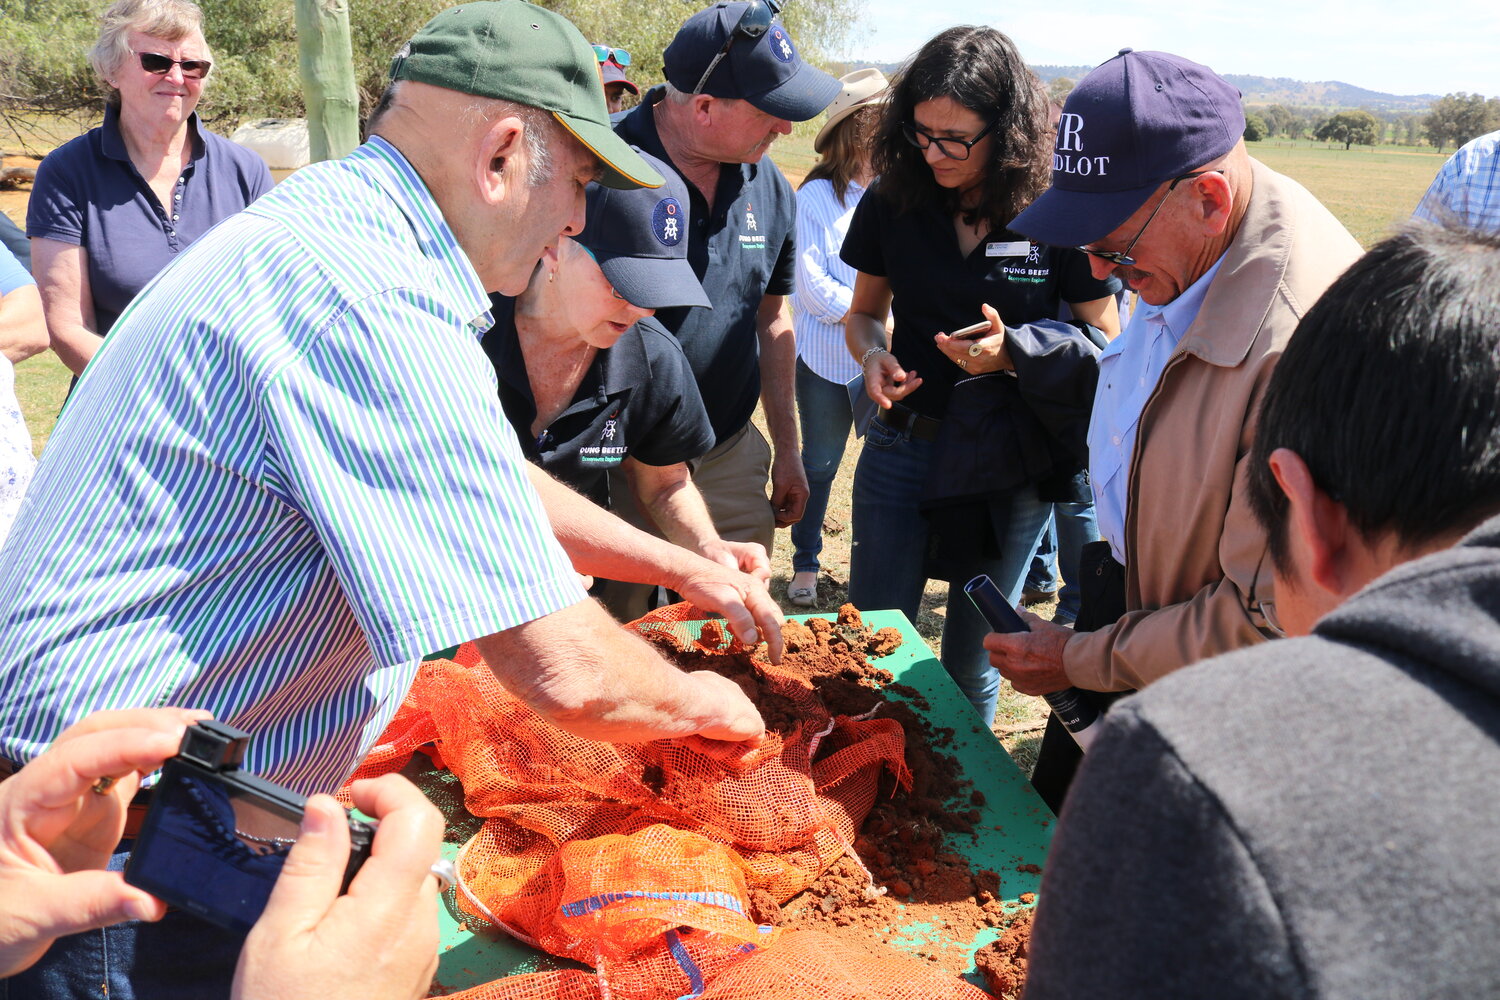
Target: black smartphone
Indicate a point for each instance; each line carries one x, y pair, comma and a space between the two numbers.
215, 837
971, 332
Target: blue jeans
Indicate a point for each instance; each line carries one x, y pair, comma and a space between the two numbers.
890, 538
181, 957
1072, 526
823, 410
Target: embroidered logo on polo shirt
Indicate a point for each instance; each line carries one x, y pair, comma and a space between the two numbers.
756, 242
1035, 256
606, 452
781, 45
666, 222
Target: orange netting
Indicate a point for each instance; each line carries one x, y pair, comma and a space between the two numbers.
644, 861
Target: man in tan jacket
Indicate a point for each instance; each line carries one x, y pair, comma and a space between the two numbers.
1152, 179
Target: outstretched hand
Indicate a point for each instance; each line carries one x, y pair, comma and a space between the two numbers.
743, 601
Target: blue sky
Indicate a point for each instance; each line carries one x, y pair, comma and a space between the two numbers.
1415, 47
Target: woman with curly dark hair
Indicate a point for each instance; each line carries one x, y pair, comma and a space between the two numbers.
963, 147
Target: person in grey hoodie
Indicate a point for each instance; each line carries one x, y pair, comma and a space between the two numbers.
1318, 817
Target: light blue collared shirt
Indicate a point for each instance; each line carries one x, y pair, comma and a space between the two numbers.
1129, 369
1467, 187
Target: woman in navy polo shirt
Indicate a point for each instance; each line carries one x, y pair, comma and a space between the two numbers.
113, 207
591, 382
962, 149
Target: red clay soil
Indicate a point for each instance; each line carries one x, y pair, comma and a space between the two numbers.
1002, 962
905, 841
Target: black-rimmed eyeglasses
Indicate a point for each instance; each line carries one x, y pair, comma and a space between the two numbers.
1122, 258
160, 65
754, 22
954, 149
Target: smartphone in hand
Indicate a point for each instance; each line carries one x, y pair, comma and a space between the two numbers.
971, 332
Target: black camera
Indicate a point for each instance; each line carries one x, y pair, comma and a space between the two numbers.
215, 837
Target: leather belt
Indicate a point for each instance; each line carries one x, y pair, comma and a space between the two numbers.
907, 421
135, 813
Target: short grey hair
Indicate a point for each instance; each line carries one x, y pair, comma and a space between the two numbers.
540, 130
172, 20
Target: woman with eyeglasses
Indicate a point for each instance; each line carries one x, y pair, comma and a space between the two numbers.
113, 207
591, 382
957, 473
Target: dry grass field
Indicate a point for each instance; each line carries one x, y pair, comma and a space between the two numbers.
1369, 190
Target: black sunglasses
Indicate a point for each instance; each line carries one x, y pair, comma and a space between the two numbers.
753, 24
604, 53
954, 149
1122, 258
155, 62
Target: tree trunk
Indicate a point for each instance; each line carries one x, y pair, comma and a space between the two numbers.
326, 63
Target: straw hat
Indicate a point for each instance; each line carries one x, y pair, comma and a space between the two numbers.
862, 87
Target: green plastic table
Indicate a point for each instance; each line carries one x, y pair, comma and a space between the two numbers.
1014, 829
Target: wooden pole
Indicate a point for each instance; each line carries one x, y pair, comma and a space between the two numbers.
326, 64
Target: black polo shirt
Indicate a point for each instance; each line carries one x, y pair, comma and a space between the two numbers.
742, 251
637, 399
935, 288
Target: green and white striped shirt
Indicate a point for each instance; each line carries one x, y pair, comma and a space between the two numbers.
283, 479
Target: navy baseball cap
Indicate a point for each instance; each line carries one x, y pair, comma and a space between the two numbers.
766, 71
639, 237
1138, 120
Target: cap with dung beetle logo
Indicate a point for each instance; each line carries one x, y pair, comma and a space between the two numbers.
738, 50
639, 238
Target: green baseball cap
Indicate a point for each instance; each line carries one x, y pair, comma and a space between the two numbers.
516, 51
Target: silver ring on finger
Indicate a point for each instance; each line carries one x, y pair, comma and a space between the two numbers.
975, 350
446, 874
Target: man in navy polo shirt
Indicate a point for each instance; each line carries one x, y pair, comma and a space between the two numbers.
734, 83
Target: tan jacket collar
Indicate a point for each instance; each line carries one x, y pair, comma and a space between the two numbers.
1257, 258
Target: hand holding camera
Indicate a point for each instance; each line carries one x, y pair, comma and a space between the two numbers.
377, 942
60, 818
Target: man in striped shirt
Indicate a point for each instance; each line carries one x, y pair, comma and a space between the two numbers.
286, 477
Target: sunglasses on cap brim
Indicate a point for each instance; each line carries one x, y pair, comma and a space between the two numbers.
754, 22
605, 53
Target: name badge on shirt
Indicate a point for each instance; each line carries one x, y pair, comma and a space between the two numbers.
1016, 248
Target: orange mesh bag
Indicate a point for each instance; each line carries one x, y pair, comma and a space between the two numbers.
643, 860
810, 964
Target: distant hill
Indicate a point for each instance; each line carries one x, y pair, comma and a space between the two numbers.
1262, 90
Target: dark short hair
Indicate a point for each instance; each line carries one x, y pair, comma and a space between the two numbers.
981, 69
1389, 390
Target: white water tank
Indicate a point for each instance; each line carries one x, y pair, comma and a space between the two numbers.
281, 142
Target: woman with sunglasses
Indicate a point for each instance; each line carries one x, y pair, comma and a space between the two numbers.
962, 148
113, 207
591, 382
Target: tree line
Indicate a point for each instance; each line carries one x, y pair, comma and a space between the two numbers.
1452, 121
44, 66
